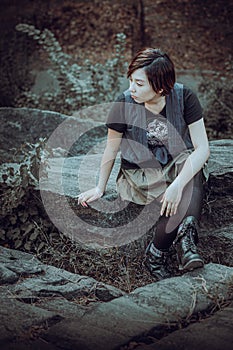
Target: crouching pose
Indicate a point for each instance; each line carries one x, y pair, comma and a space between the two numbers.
158, 126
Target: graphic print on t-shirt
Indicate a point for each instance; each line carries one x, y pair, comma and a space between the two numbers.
157, 132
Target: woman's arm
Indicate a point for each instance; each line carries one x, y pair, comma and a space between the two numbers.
108, 159
192, 166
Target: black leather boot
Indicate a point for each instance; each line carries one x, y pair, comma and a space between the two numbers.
186, 245
156, 262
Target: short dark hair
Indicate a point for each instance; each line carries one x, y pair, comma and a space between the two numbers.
158, 67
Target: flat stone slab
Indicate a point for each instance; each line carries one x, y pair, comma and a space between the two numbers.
55, 283
72, 175
15, 264
220, 161
48, 297
145, 311
40, 280
17, 317
68, 176
214, 333
30, 125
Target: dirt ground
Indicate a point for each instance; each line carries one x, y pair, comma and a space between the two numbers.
197, 34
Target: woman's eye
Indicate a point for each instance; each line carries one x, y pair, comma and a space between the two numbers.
138, 84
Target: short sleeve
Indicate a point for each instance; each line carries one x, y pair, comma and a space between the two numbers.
116, 116
192, 106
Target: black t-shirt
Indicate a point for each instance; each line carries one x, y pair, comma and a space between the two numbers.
156, 126
192, 111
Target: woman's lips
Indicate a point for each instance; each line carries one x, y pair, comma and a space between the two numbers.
133, 96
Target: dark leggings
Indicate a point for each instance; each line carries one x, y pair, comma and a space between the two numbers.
191, 204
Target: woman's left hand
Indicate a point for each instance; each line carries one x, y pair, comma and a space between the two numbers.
171, 199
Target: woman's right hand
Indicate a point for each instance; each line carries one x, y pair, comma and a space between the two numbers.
89, 196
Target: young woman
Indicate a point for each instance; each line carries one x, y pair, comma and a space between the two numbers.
158, 126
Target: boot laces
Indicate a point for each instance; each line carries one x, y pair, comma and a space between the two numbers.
188, 240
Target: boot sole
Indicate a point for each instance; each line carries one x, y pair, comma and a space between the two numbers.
192, 265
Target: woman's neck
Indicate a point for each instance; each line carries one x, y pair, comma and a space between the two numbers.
156, 105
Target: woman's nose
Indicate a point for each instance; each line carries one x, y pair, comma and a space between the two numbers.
132, 87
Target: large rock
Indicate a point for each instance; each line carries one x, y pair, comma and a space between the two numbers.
21, 125
45, 304
69, 176
213, 333
48, 280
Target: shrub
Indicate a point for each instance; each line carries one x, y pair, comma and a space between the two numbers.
218, 112
101, 83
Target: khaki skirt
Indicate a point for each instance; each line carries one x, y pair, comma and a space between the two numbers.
142, 186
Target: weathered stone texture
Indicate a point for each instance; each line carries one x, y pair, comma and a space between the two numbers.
46, 297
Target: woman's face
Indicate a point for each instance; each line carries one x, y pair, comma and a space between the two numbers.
140, 88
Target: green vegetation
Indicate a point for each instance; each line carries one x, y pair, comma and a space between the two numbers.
79, 86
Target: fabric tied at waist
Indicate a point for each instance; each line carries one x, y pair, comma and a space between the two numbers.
161, 154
